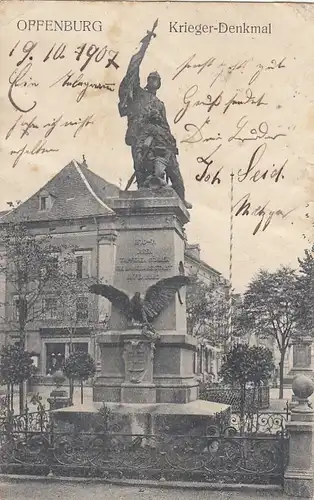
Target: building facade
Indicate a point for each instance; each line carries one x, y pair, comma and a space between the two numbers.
208, 357
74, 208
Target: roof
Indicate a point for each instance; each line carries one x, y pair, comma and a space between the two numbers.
201, 263
75, 192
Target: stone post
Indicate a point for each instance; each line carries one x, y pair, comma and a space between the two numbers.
59, 398
302, 359
302, 356
298, 478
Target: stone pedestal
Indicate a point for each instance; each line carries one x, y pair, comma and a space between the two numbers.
135, 370
302, 360
298, 480
59, 398
150, 246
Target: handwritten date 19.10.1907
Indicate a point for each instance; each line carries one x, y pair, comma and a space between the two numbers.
84, 53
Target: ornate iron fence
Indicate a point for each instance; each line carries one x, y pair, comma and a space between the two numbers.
260, 423
223, 454
232, 396
38, 421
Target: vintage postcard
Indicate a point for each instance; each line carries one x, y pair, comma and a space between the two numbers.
156, 228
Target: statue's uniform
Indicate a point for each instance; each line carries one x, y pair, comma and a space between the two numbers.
136, 103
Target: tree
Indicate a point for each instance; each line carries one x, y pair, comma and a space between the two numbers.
243, 365
35, 268
28, 263
207, 307
79, 366
305, 285
16, 367
270, 310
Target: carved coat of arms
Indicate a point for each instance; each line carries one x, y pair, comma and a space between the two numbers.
138, 356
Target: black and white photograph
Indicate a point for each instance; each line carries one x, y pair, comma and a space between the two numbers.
156, 250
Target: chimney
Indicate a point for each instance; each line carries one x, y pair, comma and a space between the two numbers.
194, 251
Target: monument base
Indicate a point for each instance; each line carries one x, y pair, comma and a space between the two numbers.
134, 369
149, 419
137, 394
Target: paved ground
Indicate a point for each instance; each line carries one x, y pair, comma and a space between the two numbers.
55, 491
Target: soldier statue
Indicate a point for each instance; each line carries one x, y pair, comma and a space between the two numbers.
153, 147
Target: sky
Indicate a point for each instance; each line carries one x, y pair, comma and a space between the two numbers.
236, 102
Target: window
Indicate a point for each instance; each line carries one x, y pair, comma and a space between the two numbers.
35, 360
82, 308
19, 306
50, 267
43, 203
79, 266
206, 361
50, 308
83, 262
80, 347
53, 265
15, 308
55, 355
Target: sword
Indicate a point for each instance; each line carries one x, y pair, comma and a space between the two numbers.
130, 182
151, 33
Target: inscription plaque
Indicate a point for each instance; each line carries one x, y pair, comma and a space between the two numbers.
146, 260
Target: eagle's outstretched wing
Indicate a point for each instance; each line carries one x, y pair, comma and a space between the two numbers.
118, 299
158, 296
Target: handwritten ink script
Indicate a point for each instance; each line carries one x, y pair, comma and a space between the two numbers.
229, 117
66, 65
21, 76
23, 127
230, 109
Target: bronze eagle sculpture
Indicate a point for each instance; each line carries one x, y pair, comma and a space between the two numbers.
143, 309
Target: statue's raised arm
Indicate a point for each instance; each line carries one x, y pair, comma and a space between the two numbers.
131, 82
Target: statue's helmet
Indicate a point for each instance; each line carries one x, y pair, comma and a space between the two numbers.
155, 79
154, 74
